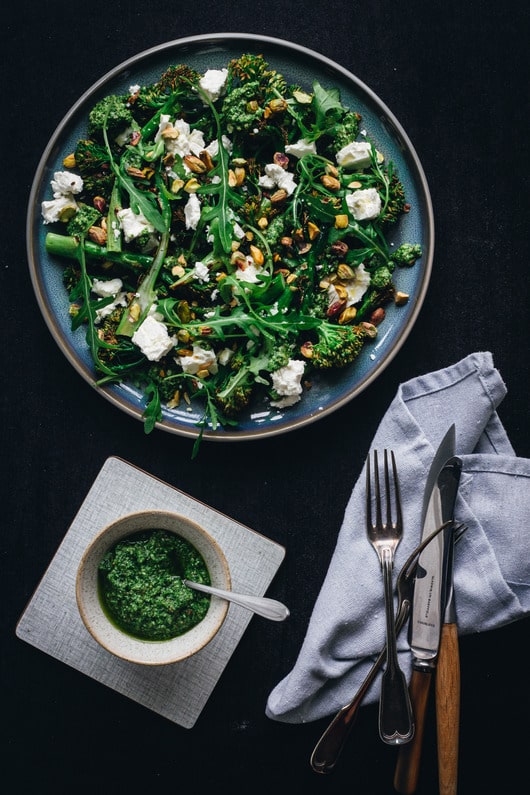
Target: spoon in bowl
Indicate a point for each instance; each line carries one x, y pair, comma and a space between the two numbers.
268, 608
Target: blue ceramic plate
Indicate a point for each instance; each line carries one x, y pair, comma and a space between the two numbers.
299, 65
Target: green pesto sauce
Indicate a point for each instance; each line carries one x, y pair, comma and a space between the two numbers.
141, 588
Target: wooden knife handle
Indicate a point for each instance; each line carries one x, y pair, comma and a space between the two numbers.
448, 709
409, 756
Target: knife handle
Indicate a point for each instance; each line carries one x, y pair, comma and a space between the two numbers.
409, 756
448, 709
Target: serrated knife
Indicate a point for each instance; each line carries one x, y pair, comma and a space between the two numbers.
427, 614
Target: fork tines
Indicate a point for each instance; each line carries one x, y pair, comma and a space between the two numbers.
391, 509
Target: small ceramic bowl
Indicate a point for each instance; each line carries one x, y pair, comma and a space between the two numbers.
125, 646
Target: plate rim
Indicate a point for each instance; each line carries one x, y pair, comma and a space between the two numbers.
260, 431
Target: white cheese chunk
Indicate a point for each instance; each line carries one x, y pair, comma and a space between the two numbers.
105, 311
186, 140
213, 146
248, 272
63, 206
106, 288
123, 137
356, 154
192, 211
201, 272
213, 83
200, 359
286, 383
64, 183
355, 288
133, 224
277, 177
60, 209
153, 339
364, 205
225, 355
301, 148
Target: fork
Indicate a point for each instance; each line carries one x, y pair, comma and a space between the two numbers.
328, 748
396, 723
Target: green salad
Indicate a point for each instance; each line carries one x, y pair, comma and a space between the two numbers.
225, 237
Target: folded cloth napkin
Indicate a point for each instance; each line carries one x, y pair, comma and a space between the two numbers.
492, 561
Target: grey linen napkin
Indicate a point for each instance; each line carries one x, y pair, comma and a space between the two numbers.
492, 561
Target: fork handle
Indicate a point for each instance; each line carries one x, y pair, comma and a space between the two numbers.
396, 724
331, 743
409, 756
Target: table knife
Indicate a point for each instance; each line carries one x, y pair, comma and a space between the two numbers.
428, 600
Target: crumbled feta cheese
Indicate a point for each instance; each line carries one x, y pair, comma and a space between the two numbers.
106, 288
133, 224
63, 206
213, 83
301, 148
201, 359
134, 90
186, 140
64, 183
105, 311
153, 339
213, 146
286, 383
249, 272
355, 288
163, 124
224, 356
277, 177
122, 138
201, 272
60, 209
239, 231
356, 154
364, 205
192, 211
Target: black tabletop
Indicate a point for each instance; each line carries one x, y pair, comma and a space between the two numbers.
454, 74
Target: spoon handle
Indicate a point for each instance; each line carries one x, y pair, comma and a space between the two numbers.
268, 608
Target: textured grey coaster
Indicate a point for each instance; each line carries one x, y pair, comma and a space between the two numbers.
51, 621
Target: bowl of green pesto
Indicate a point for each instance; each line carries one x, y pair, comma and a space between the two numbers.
130, 587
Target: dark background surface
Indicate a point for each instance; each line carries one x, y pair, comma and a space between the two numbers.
454, 74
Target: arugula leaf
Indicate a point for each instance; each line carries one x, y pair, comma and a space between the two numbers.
87, 314
328, 108
147, 295
153, 409
140, 201
320, 207
227, 197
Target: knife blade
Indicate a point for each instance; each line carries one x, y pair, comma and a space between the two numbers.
428, 600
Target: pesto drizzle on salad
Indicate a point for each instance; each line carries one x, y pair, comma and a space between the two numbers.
227, 238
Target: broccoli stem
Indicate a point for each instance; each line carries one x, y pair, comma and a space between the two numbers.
114, 235
147, 294
70, 247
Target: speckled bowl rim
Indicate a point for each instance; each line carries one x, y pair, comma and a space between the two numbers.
334, 394
119, 643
